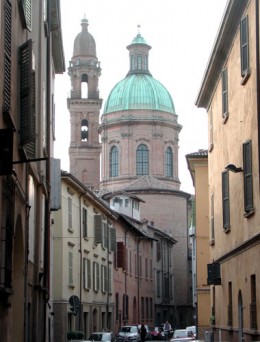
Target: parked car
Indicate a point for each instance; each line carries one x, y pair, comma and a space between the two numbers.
180, 335
129, 333
148, 336
103, 336
193, 329
156, 334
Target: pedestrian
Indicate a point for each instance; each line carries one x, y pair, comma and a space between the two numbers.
167, 328
143, 332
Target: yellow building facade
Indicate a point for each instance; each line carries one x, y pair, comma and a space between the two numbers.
230, 93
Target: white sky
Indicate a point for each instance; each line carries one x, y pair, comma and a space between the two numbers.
181, 34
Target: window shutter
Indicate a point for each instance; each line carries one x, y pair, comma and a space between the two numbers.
85, 222
31, 146
89, 273
105, 235
248, 177
120, 255
98, 229
225, 199
7, 55
224, 93
26, 92
112, 233
26, 13
244, 46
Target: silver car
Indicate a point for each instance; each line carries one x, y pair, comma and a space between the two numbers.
129, 333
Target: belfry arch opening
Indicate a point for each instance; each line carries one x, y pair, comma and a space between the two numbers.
84, 130
84, 86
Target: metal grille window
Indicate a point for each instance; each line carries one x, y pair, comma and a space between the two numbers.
225, 200
142, 160
244, 46
248, 176
169, 162
114, 162
224, 93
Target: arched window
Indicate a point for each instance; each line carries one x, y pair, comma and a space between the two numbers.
145, 63
168, 162
84, 86
142, 160
132, 62
139, 62
113, 162
84, 130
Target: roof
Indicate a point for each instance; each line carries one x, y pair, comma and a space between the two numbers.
220, 52
84, 43
139, 91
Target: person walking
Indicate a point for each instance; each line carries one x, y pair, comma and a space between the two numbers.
143, 333
166, 328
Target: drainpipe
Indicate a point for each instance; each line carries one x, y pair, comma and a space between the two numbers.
80, 261
46, 278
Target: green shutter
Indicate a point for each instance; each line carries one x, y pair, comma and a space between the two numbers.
225, 199
248, 177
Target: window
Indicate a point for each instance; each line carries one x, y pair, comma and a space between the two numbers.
248, 177
142, 160
132, 62
224, 94
112, 239
169, 162
139, 62
244, 47
212, 230
104, 235
70, 264
230, 310
98, 229
26, 13
211, 137
146, 268
158, 250
145, 62
95, 276
253, 312
86, 273
84, 130
113, 162
225, 199
26, 93
7, 56
104, 279
85, 222
69, 213
158, 283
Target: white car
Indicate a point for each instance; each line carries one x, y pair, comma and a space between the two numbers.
101, 336
193, 329
181, 335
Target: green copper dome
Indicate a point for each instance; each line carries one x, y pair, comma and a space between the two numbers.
139, 91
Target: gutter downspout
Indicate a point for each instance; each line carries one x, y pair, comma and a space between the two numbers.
46, 279
80, 261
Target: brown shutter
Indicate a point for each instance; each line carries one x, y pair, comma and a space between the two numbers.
25, 54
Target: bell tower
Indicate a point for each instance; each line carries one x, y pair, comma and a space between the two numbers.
84, 106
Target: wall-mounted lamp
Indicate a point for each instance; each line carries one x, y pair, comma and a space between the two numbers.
233, 168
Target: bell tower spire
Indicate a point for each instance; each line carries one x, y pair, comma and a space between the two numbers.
84, 106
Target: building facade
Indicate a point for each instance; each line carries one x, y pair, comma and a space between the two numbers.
230, 93
31, 55
199, 240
